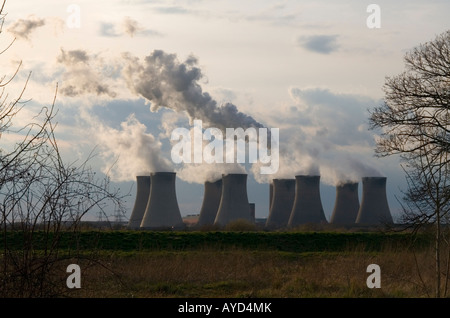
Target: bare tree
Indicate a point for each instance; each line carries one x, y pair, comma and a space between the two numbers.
42, 198
415, 124
428, 202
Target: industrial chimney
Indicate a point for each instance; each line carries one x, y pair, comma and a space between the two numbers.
282, 202
346, 205
211, 202
162, 209
140, 203
374, 209
234, 203
307, 206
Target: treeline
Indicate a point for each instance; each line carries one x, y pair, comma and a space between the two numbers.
123, 240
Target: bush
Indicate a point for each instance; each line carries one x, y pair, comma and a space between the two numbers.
240, 225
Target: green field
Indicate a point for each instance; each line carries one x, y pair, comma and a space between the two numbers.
124, 240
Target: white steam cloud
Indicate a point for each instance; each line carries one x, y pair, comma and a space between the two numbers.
130, 151
324, 134
201, 172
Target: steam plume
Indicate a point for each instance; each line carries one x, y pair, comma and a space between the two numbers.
131, 151
166, 82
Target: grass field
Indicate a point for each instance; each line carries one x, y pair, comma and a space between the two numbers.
239, 264
240, 273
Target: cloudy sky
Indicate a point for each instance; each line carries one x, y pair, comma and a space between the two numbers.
129, 72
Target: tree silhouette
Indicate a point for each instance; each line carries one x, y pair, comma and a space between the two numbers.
415, 124
42, 197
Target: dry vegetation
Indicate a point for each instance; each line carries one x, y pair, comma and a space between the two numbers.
230, 264
242, 273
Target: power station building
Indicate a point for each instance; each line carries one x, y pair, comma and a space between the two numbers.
374, 209
292, 202
140, 203
307, 207
162, 211
282, 200
234, 202
346, 205
211, 202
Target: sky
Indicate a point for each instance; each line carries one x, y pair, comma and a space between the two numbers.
128, 73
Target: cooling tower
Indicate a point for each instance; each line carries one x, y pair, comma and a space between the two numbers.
234, 201
252, 211
142, 193
211, 202
283, 200
346, 205
162, 211
307, 207
374, 209
270, 194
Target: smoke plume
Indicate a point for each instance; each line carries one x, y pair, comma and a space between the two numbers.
166, 82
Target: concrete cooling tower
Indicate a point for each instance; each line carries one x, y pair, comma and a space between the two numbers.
346, 205
307, 206
374, 209
140, 203
270, 194
162, 210
234, 203
252, 212
211, 202
282, 202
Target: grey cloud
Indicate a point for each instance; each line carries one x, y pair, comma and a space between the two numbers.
79, 77
172, 10
72, 57
324, 44
277, 14
285, 19
108, 30
131, 26
23, 28
128, 27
